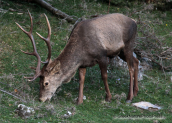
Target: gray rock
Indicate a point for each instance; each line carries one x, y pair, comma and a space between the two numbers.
24, 111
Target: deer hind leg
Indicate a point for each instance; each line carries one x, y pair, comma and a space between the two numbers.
103, 67
128, 57
136, 88
82, 72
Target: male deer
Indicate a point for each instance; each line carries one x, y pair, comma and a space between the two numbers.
91, 42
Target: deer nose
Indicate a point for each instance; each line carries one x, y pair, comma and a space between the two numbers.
43, 99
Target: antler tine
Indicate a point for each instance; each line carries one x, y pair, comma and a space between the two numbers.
31, 27
27, 53
47, 40
35, 53
33, 78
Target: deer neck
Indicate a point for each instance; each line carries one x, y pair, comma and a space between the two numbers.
70, 61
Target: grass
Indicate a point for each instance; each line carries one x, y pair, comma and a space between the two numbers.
14, 65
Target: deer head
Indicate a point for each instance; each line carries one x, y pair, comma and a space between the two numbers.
50, 71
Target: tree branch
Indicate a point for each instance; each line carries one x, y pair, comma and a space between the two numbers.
55, 11
12, 95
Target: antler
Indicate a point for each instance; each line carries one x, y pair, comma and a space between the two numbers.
35, 53
47, 40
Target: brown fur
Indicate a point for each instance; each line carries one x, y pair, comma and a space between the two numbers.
92, 42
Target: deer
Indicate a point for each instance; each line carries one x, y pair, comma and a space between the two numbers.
91, 42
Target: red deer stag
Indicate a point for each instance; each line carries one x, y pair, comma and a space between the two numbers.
91, 42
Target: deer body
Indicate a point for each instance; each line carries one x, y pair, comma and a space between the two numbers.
90, 43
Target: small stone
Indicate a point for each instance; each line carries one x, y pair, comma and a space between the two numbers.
84, 97
69, 113
123, 95
171, 78
128, 101
24, 111
117, 97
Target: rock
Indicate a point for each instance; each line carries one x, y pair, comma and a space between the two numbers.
144, 64
117, 97
171, 78
146, 105
123, 95
134, 55
24, 111
140, 73
67, 115
119, 62
84, 97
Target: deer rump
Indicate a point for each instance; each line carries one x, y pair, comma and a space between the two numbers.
91, 42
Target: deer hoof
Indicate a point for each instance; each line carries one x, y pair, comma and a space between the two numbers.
108, 99
79, 102
135, 93
128, 101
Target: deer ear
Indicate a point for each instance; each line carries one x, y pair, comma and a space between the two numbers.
53, 66
56, 68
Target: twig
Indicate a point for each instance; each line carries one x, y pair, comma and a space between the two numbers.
12, 95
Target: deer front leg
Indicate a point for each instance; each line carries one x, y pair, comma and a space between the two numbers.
82, 72
103, 68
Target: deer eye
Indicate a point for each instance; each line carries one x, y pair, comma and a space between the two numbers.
46, 83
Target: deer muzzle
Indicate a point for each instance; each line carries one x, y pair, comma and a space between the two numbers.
43, 99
